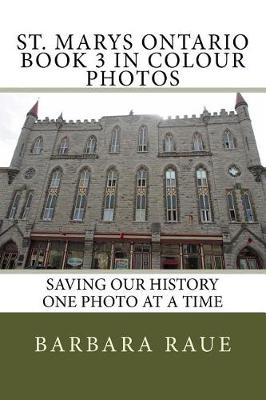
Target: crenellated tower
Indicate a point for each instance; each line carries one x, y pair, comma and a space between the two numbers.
241, 108
31, 117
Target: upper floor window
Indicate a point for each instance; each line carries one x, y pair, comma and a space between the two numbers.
248, 208
171, 195
26, 209
91, 145
110, 195
52, 195
141, 195
37, 147
81, 195
14, 205
197, 144
203, 195
229, 141
115, 140
168, 143
64, 146
143, 139
231, 205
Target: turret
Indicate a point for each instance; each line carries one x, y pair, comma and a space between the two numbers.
241, 108
31, 117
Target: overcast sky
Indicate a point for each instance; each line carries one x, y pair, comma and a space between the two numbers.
14, 107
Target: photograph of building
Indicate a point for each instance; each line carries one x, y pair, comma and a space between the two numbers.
135, 192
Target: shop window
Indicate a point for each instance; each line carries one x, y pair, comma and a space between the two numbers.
170, 256
141, 256
191, 256
213, 256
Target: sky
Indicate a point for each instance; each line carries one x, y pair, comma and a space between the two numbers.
14, 107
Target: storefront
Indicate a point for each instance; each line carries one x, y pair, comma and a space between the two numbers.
56, 254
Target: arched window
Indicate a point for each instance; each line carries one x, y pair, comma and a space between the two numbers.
110, 195
171, 195
247, 205
232, 207
168, 143
27, 205
115, 140
197, 144
141, 195
91, 145
143, 139
64, 146
52, 195
14, 205
248, 259
229, 141
37, 147
81, 195
203, 195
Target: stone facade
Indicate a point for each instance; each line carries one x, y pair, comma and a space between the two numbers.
224, 141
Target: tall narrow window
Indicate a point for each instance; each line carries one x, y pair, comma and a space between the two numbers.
110, 196
26, 209
91, 145
197, 144
64, 146
171, 195
52, 194
141, 195
168, 143
246, 201
203, 196
143, 139
115, 140
81, 196
229, 142
231, 204
37, 147
14, 205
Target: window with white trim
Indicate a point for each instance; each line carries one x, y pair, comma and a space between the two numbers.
26, 209
14, 205
110, 195
81, 196
143, 139
203, 195
64, 146
91, 145
52, 195
169, 144
141, 195
229, 141
247, 205
37, 147
197, 144
115, 140
171, 195
231, 205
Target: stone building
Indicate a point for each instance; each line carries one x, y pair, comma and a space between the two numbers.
135, 191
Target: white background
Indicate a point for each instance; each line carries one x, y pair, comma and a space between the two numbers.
25, 292
138, 17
